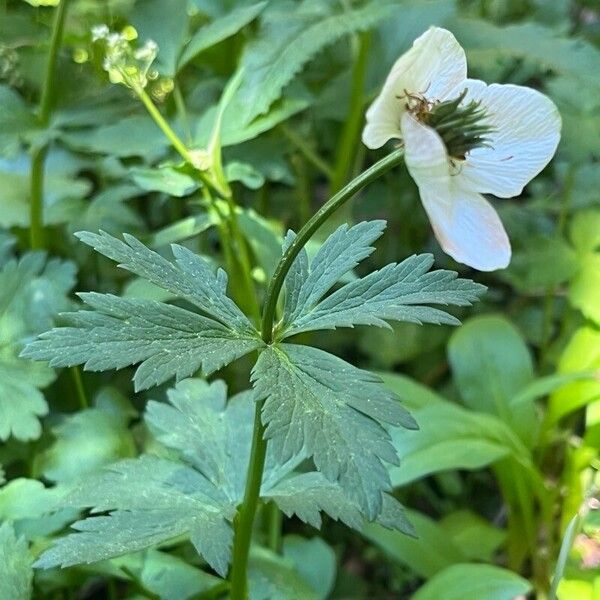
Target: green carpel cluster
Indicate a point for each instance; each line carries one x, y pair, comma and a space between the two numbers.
462, 128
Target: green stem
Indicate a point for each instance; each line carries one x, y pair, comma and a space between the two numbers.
176, 142
561, 563
182, 111
38, 156
339, 199
274, 521
78, 381
241, 254
348, 144
244, 520
311, 156
37, 237
236, 252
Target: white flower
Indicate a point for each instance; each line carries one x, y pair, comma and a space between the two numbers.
520, 135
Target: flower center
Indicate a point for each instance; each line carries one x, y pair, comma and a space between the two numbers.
462, 128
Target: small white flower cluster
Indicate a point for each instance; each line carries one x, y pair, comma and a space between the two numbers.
124, 63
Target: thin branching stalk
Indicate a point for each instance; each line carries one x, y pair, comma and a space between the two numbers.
235, 248
244, 520
39, 153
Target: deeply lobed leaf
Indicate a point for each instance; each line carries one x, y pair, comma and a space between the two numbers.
166, 340
316, 401
397, 292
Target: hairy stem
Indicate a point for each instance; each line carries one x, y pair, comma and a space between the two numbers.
244, 520
38, 155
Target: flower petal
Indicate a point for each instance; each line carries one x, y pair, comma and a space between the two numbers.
434, 65
465, 224
527, 133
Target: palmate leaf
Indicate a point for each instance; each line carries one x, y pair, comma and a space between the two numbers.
32, 291
166, 340
397, 292
316, 401
154, 500
194, 493
16, 574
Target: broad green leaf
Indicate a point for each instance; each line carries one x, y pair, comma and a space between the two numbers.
290, 36
474, 582
16, 119
167, 25
478, 539
273, 577
314, 560
85, 441
63, 195
236, 130
183, 229
136, 135
531, 41
164, 179
582, 353
32, 292
491, 364
316, 401
430, 551
16, 575
152, 500
34, 510
584, 291
109, 211
449, 437
167, 575
166, 340
542, 263
218, 30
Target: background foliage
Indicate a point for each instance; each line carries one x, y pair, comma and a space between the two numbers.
501, 478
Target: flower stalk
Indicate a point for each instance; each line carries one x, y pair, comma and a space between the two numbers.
244, 520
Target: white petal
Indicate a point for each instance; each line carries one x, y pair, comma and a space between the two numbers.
465, 224
434, 66
527, 133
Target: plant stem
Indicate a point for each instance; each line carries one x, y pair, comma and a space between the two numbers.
176, 142
348, 143
244, 520
182, 111
274, 519
241, 255
236, 252
37, 237
78, 381
38, 156
339, 199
